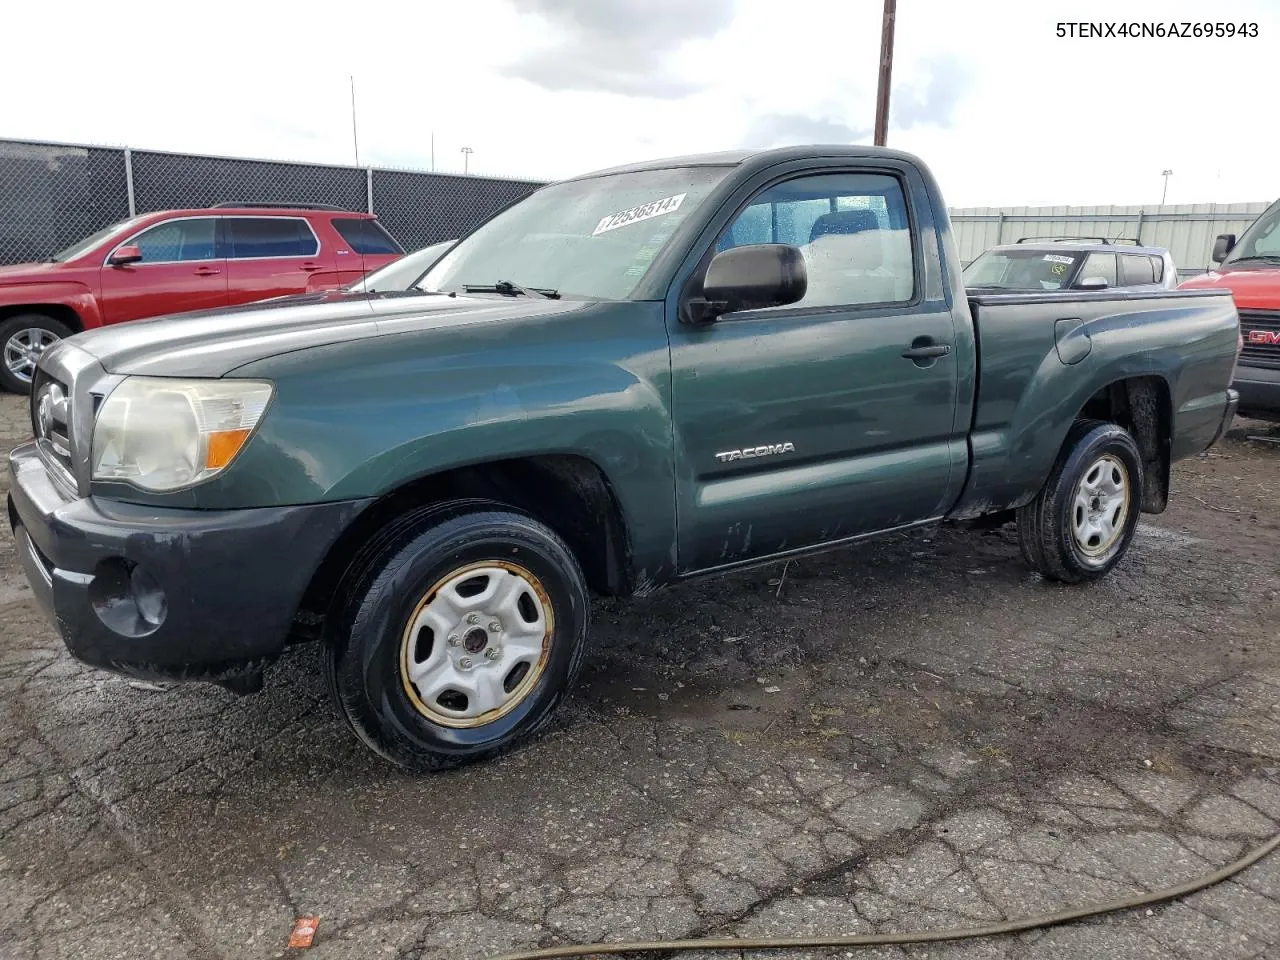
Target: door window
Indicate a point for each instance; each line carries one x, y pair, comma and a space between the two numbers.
1136, 269
852, 229
177, 241
1099, 265
260, 237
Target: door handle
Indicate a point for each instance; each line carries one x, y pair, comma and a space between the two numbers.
924, 348
311, 267
207, 272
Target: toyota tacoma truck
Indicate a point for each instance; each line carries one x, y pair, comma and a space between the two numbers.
1250, 269
627, 379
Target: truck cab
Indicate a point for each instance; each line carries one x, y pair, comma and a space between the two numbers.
1250, 268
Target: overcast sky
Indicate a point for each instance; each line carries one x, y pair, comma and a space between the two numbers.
1003, 110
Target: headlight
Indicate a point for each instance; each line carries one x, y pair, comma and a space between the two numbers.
160, 434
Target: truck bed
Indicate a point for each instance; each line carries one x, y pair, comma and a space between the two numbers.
1042, 357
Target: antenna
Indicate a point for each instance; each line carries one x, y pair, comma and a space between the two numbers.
355, 145
355, 142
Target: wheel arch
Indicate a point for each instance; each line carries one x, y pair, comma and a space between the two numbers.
63, 313
570, 493
1143, 405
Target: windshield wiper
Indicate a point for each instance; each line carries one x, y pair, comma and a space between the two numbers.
512, 290
1266, 257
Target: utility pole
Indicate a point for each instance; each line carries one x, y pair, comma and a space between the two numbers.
1166, 174
466, 156
886, 71
355, 142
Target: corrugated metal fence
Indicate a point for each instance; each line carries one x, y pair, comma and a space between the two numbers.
53, 194
1187, 230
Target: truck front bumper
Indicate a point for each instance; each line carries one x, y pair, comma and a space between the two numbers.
1259, 389
167, 594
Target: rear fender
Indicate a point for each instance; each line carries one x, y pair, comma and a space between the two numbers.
1010, 464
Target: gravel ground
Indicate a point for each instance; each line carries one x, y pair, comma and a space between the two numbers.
909, 735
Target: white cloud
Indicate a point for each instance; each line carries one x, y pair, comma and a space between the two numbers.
1004, 110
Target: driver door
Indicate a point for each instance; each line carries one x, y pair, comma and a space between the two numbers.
806, 424
181, 269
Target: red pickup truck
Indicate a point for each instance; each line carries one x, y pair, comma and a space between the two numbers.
174, 261
1250, 269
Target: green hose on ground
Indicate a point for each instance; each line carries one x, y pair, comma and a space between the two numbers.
927, 936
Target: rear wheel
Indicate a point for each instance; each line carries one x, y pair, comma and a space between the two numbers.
1084, 519
22, 340
458, 636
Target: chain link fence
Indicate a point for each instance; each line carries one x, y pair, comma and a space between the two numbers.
52, 195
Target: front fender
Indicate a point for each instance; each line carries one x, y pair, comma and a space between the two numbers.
364, 418
65, 293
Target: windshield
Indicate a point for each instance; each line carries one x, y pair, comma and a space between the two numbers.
1021, 270
401, 274
1262, 239
592, 239
81, 247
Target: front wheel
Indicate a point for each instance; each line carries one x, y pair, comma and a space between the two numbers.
458, 636
1084, 519
22, 340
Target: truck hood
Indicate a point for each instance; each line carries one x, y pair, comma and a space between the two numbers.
211, 343
1255, 287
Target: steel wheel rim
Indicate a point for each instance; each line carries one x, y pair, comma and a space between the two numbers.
1100, 506
476, 644
23, 349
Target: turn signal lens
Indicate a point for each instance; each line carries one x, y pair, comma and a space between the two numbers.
223, 446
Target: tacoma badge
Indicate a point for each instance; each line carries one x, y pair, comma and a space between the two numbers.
748, 453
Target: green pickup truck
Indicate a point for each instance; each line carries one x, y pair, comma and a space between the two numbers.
629, 378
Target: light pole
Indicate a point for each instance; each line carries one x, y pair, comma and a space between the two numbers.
1166, 174
466, 157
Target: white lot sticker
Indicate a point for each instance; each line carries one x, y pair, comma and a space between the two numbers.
646, 211
1054, 258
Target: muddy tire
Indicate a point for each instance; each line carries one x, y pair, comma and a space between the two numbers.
1084, 519
22, 339
457, 634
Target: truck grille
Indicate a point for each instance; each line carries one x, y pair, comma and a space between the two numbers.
51, 422
1261, 332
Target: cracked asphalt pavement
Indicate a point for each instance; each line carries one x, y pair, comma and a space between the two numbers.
909, 735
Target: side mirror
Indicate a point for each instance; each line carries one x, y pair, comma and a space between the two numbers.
1092, 283
1222, 246
754, 276
125, 255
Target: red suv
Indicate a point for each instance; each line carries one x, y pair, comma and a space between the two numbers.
1250, 269
174, 261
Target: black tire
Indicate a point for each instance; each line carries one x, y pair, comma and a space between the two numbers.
1047, 525
10, 329
390, 582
